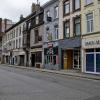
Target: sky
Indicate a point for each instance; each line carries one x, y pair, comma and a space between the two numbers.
12, 9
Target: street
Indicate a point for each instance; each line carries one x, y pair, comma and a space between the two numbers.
23, 84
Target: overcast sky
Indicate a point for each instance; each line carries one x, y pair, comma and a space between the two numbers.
12, 9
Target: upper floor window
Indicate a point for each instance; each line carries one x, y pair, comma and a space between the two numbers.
19, 42
66, 7
37, 20
56, 32
16, 32
66, 29
48, 13
36, 35
16, 43
89, 2
20, 30
56, 12
89, 18
76, 4
77, 26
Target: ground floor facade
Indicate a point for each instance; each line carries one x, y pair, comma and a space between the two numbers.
51, 55
36, 57
91, 54
14, 57
63, 54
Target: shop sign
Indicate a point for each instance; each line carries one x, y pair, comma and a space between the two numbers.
91, 42
50, 45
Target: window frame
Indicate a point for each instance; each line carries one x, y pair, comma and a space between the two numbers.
67, 21
56, 12
74, 26
74, 7
65, 3
90, 21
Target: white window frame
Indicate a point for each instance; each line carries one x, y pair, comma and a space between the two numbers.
90, 21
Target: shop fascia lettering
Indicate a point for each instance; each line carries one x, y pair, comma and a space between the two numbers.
90, 43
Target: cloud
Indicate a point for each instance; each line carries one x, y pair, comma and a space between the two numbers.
12, 9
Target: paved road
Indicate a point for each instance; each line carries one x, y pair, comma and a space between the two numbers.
22, 84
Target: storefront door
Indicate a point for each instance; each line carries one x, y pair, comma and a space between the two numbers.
68, 59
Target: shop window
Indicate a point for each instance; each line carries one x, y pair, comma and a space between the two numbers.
54, 60
90, 62
89, 50
98, 50
97, 62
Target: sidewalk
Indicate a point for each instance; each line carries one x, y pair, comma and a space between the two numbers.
61, 72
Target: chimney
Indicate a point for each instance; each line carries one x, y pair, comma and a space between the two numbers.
21, 17
37, 7
33, 7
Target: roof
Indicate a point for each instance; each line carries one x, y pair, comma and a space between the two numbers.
49, 3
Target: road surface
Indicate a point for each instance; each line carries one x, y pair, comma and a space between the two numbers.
23, 84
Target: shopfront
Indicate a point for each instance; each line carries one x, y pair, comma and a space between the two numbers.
36, 57
51, 58
91, 54
70, 55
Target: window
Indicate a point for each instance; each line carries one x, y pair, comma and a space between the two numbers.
76, 4
66, 7
36, 36
19, 42
89, 2
77, 26
48, 13
66, 29
19, 30
51, 55
93, 60
37, 20
89, 18
56, 12
16, 43
56, 32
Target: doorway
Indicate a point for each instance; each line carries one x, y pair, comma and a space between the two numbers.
21, 60
68, 59
33, 60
